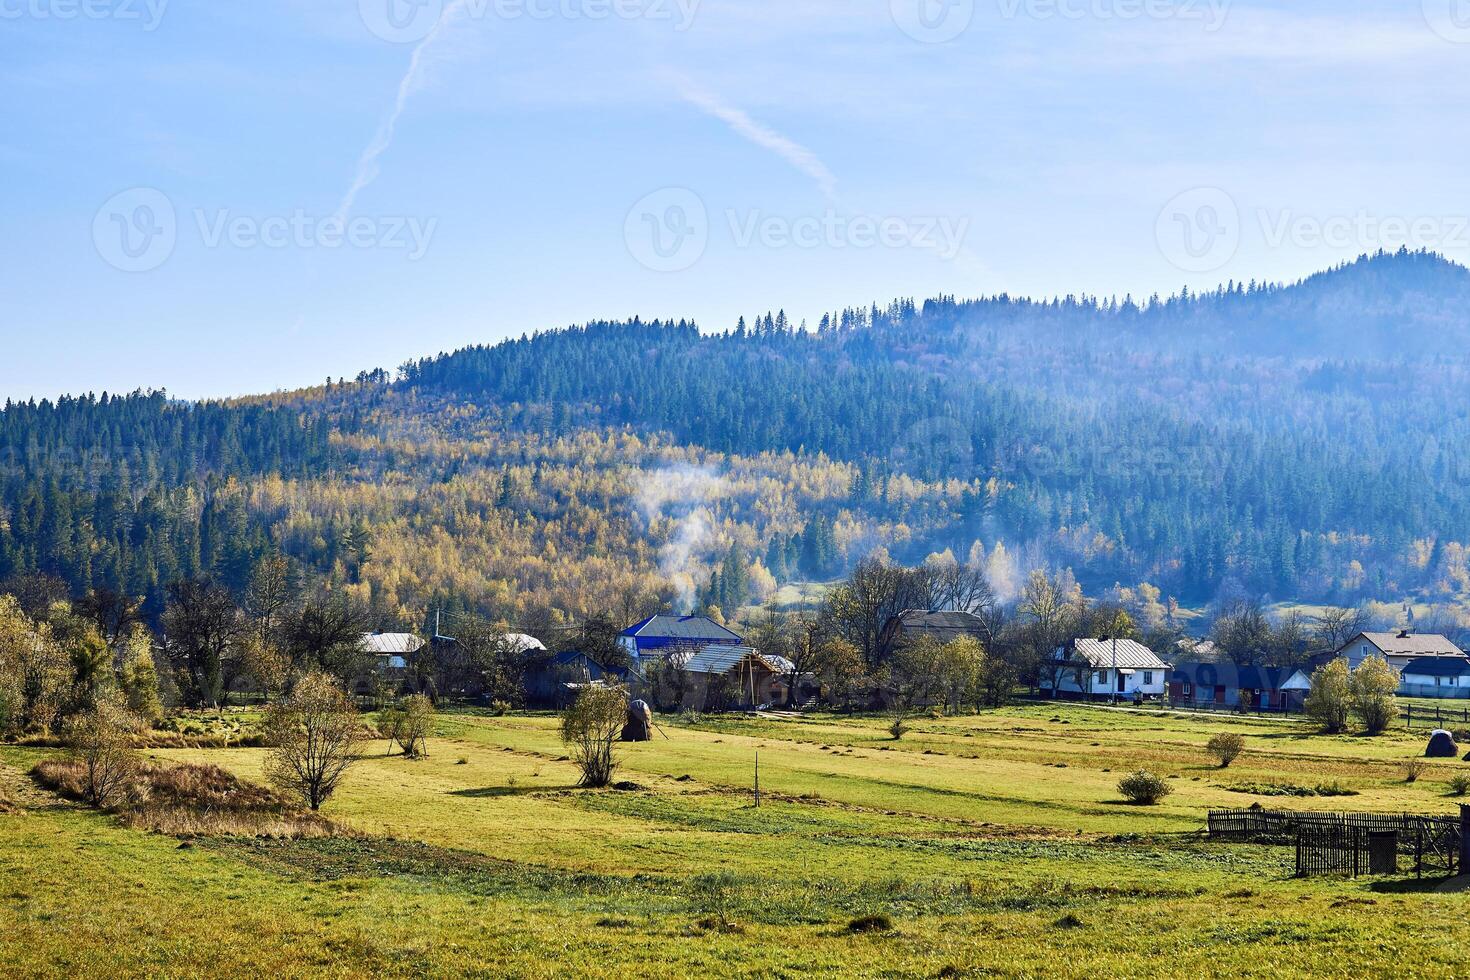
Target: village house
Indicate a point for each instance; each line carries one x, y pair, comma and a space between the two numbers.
1105, 668
552, 680
943, 625
1436, 677
1225, 685
1398, 648
655, 638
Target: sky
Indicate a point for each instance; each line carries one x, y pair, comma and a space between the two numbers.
222, 197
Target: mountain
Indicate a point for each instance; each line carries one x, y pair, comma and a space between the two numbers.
1300, 441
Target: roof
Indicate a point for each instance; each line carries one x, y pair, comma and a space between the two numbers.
523, 642
1130, 653
943, 625
682, 628
717, 658
1410, 645
1438, 666
386, 644
1226, 674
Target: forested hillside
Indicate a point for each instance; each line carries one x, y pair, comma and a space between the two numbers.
1291, 441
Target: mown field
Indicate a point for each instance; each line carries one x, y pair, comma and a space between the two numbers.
995, 845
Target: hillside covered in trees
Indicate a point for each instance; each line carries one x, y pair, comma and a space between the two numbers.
1294, 442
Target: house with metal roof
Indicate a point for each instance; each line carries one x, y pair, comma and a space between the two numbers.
658, 636
391, 650
1105, 668
1436, 677
943, 625
1223, 684
1398, 648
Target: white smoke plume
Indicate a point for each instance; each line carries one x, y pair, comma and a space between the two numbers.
681, 493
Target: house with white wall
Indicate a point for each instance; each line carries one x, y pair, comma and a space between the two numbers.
1398, 648
1436, 677
1105, 668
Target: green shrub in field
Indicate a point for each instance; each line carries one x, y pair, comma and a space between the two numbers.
1226, 746
1144, 788
1459, 785
1413, 769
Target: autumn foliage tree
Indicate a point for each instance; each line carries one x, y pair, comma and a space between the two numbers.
315, 737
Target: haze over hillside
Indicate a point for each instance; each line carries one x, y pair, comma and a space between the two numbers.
1294, 441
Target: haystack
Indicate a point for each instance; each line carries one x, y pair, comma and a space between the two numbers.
1441, 745
640, 722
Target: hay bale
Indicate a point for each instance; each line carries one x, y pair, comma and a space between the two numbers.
1441, 746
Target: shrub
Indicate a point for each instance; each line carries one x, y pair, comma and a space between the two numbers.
898, 729
1144, 788
1372, 690
101, 742
870, 923
714, 895
590, 725
1328, 702
1226, 747
315, 736
1413, 769
1459, 785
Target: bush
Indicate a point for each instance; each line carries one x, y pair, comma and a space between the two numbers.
315, 736
1413, 769
590, 725
1226, 747
1459, 785
898, 729
870, 923
1372, 691
1329, 701
101, 743
1144, 788
714, 895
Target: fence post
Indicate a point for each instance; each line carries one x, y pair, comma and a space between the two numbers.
1464, 837
1409, 713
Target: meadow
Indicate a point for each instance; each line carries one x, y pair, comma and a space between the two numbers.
987, 845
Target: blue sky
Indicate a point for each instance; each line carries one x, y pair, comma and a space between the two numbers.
227, 197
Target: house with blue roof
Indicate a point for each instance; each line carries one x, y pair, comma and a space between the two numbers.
1226, 685
656, 637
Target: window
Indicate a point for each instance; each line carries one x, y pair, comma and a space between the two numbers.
1148, 677
1188, 689
1102, 677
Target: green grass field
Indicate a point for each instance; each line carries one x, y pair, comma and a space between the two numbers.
996, 845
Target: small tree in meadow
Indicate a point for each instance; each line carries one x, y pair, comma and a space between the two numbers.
415, 719
100, 739
315, 737
1226, 746
589, 726
1371, 689
1329, 700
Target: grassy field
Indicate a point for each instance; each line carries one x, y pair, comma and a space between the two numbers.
994, 844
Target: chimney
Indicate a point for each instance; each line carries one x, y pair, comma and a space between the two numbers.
1404, 634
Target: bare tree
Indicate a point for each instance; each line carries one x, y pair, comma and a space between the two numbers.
1335, 625
201, 629
315, 736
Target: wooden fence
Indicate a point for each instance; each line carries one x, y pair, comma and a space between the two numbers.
1344, 843
1436, 717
